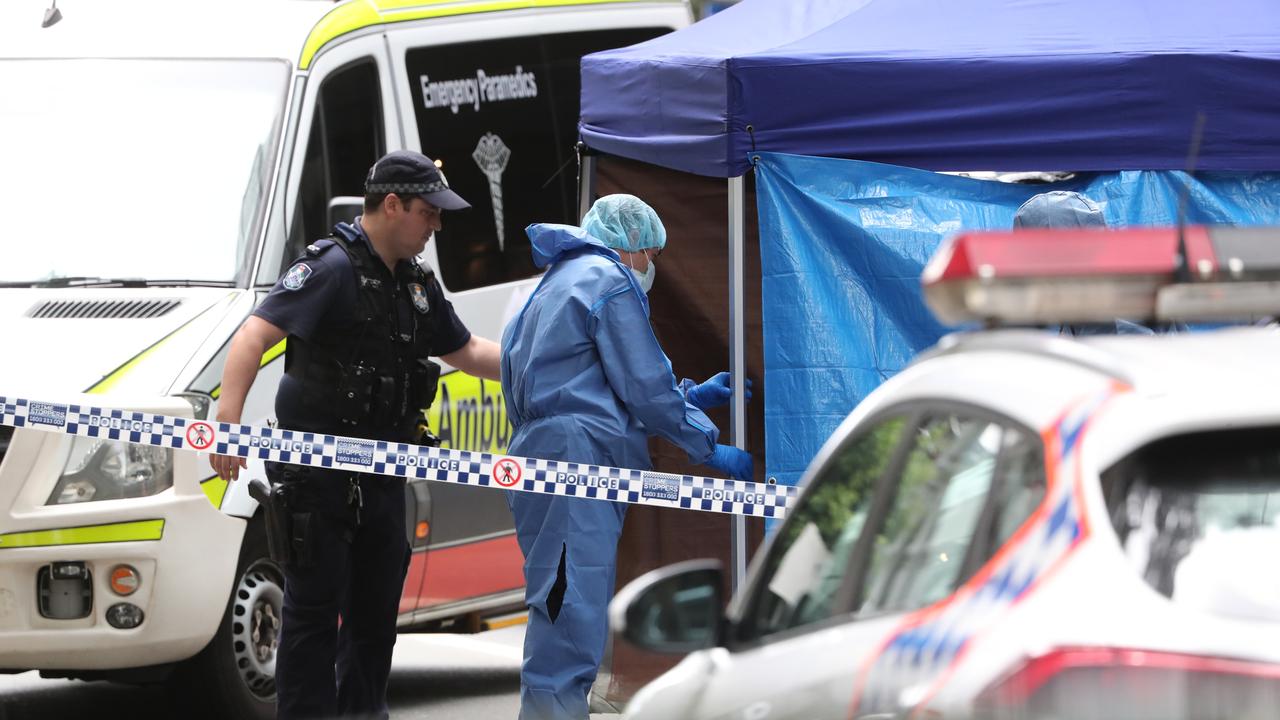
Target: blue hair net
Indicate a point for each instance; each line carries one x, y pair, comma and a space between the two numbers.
625, 222
1059, 209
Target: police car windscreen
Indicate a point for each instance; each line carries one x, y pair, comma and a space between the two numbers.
149, 169
1198, 516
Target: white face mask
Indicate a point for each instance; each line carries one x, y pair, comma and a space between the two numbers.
646, 278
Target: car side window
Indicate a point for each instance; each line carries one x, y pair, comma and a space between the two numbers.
1022, 485
805, 570
966, 484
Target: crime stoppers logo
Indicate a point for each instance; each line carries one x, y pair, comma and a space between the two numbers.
47, 414
658, 486
506, 472
355, 452
200, 435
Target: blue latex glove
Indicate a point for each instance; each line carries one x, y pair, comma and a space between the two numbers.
715, 392
735, 463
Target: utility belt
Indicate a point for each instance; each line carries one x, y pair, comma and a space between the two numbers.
299, 503
290, 529
298, 507
360, 396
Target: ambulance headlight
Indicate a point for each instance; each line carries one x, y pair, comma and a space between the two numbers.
110, 469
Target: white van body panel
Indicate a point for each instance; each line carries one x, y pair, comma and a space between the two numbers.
197, 550
144, 363
58, 354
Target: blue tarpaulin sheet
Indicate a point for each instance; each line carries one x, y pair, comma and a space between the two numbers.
843, 244
948, 85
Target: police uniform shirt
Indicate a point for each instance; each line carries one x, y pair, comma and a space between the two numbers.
318, 294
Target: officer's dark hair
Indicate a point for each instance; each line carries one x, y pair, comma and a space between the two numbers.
373, 201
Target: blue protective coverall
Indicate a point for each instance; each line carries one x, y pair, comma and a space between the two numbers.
585, 381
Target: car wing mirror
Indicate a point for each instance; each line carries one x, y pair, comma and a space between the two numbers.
676, 609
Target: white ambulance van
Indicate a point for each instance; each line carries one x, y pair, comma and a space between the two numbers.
160, 164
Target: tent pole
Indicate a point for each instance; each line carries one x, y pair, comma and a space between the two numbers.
737, 362
586, 179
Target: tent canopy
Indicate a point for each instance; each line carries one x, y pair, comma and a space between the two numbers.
948, 85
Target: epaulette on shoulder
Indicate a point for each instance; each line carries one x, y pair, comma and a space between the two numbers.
425, 272
317, 248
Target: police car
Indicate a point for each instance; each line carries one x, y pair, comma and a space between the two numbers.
1021, 524
163, 163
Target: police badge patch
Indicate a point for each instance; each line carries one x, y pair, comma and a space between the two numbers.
419, 296
296, 276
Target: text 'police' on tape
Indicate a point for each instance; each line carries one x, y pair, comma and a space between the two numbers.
461, 467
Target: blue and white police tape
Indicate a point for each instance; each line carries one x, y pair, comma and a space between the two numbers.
461, 467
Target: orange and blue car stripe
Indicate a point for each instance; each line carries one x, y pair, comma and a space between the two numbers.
928, 644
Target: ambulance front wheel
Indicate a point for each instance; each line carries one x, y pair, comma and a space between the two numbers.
234, 676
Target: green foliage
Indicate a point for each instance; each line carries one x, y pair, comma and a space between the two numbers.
845, 486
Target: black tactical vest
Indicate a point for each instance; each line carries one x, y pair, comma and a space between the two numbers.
374, 376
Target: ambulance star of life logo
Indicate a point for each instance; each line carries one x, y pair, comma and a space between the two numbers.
506, 472
418, 294
200, 435
296, 276
492, 155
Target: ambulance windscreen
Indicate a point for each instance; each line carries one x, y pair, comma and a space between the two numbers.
142, 169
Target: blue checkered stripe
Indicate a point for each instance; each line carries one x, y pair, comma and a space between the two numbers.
13, 412
273, 445
9, 414
134, 427
408, 461
920, 653
580, 480
736, 497
418, 462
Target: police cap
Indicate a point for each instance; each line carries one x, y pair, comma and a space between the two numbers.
408, 173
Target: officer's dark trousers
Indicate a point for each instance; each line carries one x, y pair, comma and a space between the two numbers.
356, 572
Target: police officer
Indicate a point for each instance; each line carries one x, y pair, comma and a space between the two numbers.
361, 317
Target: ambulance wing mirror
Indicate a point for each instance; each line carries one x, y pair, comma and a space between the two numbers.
51, 15
344, 208
675, 609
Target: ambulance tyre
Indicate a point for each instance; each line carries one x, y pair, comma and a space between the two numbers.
234, 676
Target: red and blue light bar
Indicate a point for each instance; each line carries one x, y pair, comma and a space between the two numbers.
1039, 276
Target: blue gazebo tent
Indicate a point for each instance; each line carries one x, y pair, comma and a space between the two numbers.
948, 85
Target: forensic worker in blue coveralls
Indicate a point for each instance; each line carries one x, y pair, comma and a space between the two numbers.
585, 381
